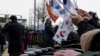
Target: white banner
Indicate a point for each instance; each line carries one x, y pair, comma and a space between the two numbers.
63, 10
63, 31
57, 7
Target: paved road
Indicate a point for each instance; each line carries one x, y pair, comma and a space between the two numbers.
5, 53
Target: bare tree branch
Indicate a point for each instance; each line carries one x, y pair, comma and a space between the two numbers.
41, 12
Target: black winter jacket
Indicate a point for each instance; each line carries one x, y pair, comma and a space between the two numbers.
15, 33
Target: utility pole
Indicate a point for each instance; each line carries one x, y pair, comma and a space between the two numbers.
34, 15
43, 10
38, 18
31, 13
30, 19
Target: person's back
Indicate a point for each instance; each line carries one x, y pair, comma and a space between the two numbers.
15, 33
26, 34
2, 39
49, 33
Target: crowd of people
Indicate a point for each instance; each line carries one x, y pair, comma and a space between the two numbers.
17, 35
85, 39
88, 32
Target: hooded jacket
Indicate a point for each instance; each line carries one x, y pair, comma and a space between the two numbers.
90, 41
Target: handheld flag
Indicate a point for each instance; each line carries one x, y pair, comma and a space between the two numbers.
62, 8
52, 16
57, 8
63, 31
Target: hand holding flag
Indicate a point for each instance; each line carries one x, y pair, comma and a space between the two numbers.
64, 8
76, 19
84, 14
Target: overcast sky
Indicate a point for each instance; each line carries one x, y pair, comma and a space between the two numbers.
90, 5
21, 7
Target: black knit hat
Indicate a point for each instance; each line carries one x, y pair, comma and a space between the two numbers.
13, 17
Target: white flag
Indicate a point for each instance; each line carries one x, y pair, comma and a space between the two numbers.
57, 7
62, 9
63, 31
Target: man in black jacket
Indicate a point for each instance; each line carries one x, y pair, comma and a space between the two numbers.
15, 33
49, 33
